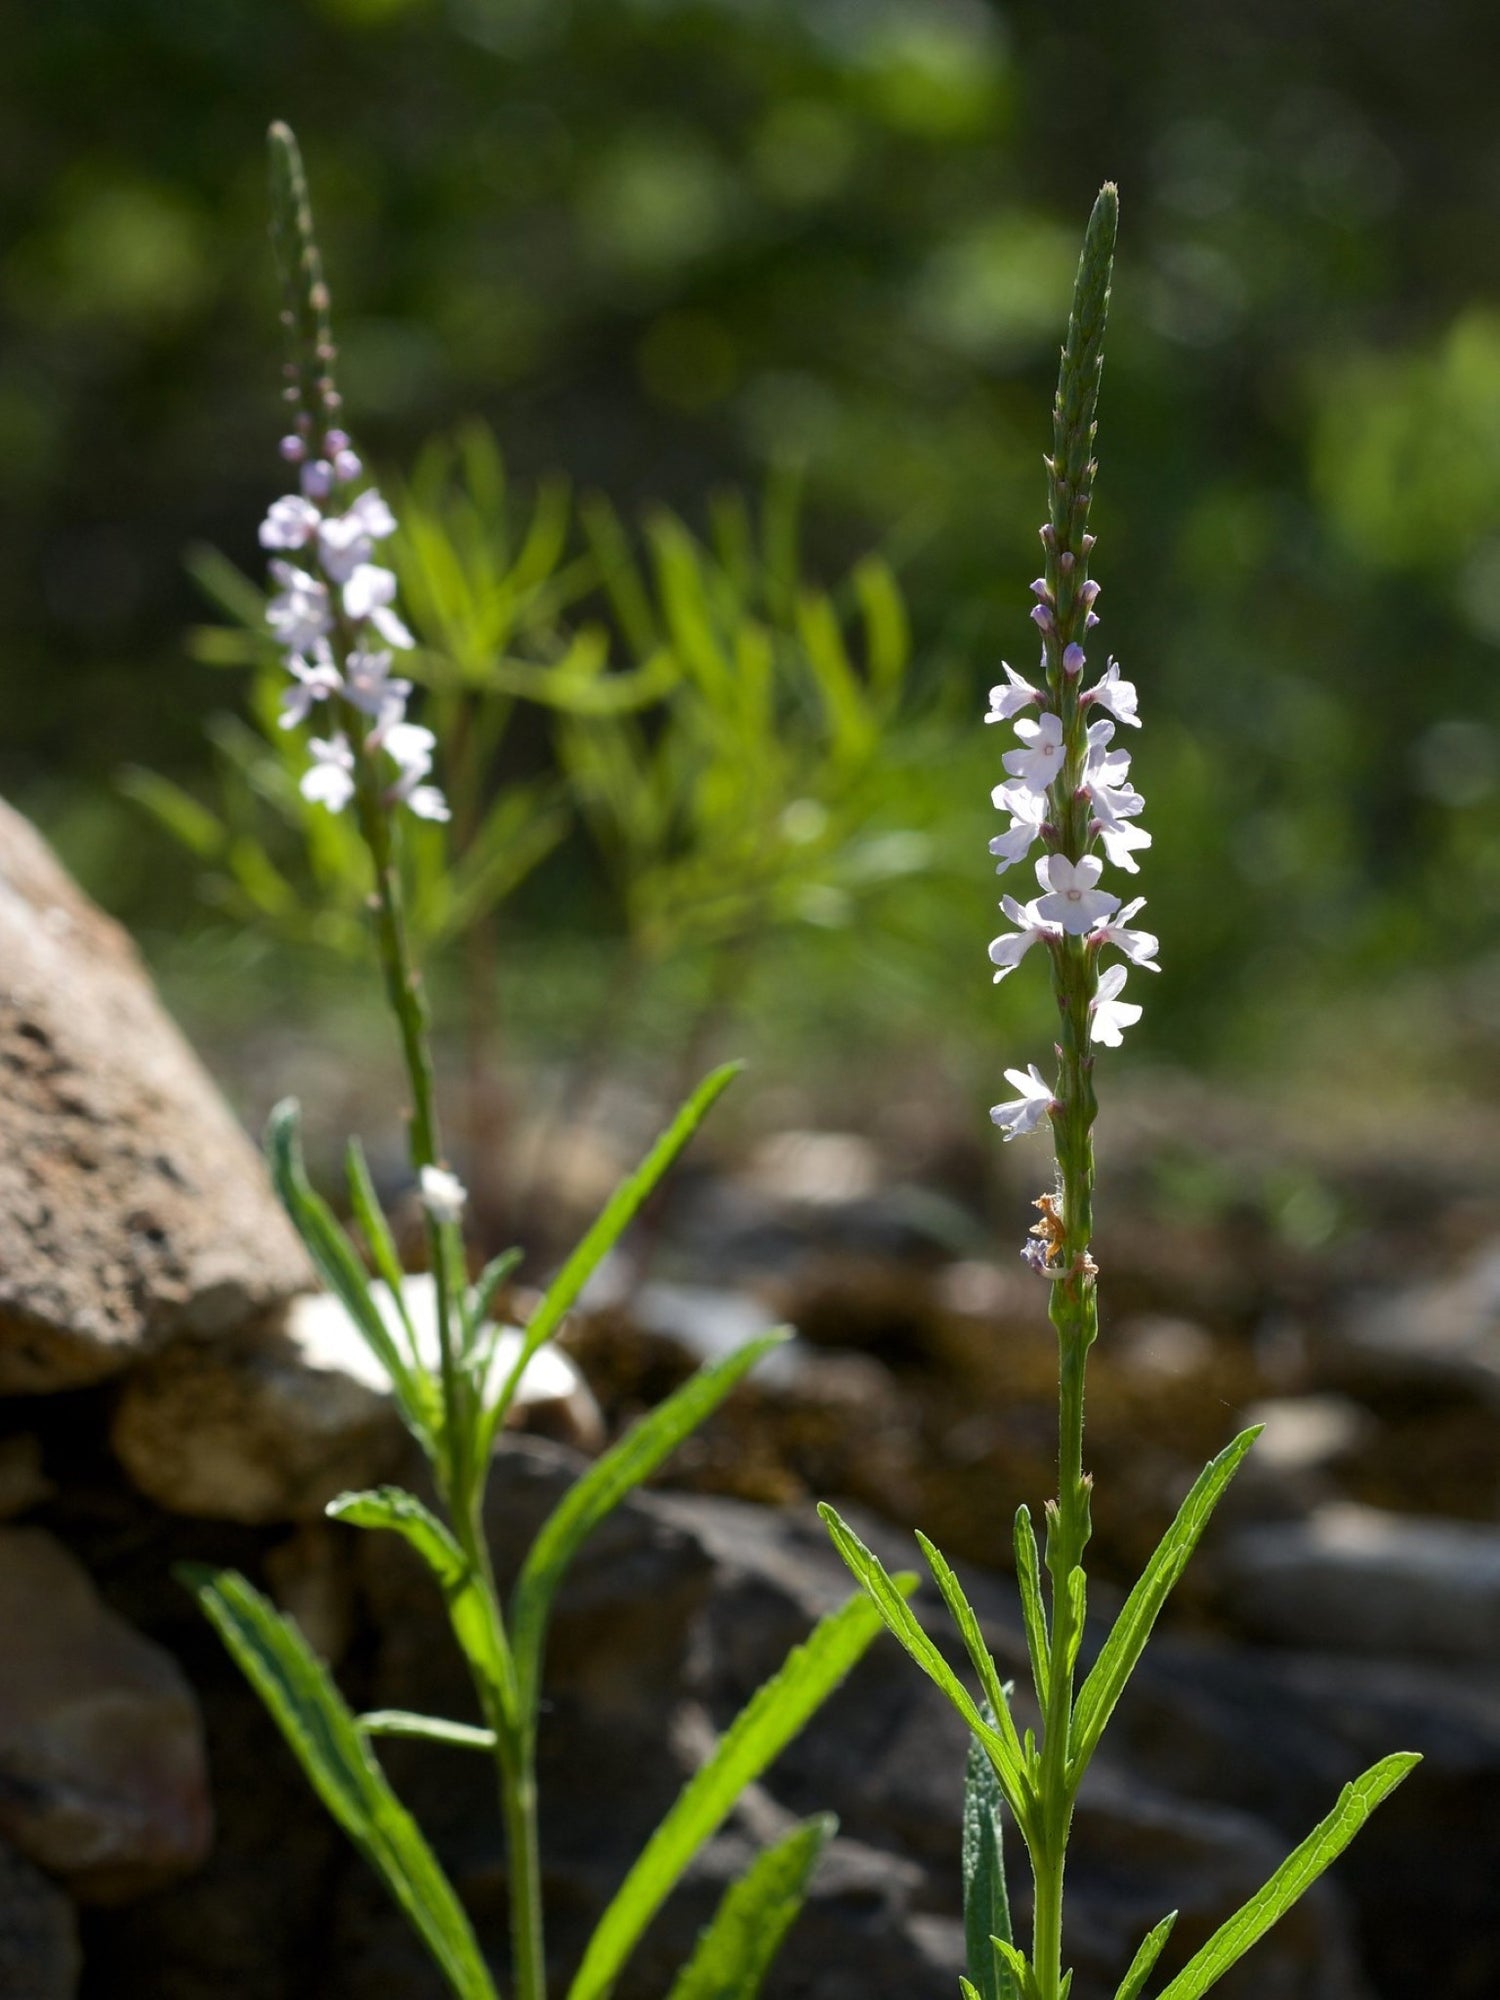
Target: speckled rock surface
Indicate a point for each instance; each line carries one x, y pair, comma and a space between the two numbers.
132, 1206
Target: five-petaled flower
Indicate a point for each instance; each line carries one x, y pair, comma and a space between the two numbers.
1024, 1113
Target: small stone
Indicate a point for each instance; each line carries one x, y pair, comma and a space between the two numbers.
102, 1773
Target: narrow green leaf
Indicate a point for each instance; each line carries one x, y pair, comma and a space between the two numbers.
756, 1737
1033, 1607
604, 1485
967, 1989
199, 830
735, 1951
340, 1269
482, 1292
986, 1903
323, 1735
1131, 1630
378, 1239
472, 1611
1141, 1965
962, 1614
619, 1212
1324, 1844
425, 1728
1014, 1964
902, 1622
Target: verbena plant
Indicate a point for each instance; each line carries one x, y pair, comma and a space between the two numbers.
1068, 788
334, 615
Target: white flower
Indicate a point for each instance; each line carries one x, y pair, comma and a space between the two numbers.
368, 682
1007, 952
1109, 1015
368, 593
1119, 841
345, 541
1006, 702
1140, 947
409, 745
329, 779
313, 682
1117, 695
291, 523
1028, 811
298, 615
427, 802
1024, 1113
1042, 758
1075, 902
443, 1194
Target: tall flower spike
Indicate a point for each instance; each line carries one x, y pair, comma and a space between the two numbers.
332, 609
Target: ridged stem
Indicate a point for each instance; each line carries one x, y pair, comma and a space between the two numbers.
1065, 537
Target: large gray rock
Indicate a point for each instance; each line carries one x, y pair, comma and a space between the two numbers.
39, 1958
132, 1207
102, 1773
1356, 1579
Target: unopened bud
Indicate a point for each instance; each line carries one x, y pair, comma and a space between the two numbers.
1042, 589
1087, 592
1088, 542
1065, 561
293, 450
335, 442
1042, 617
1091, 621
347, 465
1073, 660
317, 479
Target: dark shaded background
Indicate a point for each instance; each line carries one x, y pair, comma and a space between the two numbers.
665, 244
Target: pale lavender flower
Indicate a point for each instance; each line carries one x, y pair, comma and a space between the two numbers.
1007, 952
1109, 1015
290, 523
1007, 702
1041, 758
317, 479
298, 615
329, 779
1023, 1114
1074, 902
1140, 947
368, 683
1121, 842
1117, 695
345, 541
368, 594
313, 681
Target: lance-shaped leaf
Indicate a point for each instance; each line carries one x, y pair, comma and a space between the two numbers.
986, 1903
756, 1737
471, 1610
325, 1738
425, 1729
902, 1622
1141, 1965
619, 1212
1324, 1844
338, 1266
1033, 1608
963, 1616
735, 1951
1131, 1630
605, 1484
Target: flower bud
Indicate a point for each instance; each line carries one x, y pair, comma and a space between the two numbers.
1042, 617
347, 465
1087, 593
292, 449
317, 479
335, 442
1073, 660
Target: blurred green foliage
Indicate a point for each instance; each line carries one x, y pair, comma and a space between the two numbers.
665, 246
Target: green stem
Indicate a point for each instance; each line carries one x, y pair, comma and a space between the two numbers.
1069, 1210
